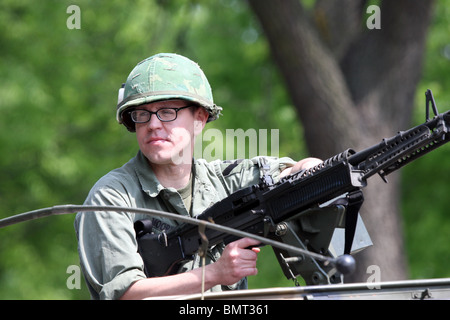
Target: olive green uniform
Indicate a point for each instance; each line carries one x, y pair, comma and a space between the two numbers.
107, 241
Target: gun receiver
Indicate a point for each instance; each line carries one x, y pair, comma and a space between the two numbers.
303, 209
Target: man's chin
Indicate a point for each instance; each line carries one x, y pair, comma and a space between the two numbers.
175, 159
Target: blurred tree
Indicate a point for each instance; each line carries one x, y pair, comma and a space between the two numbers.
425, 188
352, 86
58, 129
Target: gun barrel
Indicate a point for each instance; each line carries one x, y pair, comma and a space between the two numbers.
393, 153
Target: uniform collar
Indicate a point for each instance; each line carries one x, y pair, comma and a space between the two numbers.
147, 178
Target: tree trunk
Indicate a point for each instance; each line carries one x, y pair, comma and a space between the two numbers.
351, 87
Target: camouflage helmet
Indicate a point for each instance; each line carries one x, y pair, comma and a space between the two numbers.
165, 76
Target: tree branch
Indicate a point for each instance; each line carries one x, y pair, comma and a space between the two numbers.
313, 78
339, 23
383, 67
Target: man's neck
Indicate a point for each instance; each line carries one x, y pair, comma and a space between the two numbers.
171, 175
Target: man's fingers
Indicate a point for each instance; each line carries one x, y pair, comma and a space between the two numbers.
247, 242
256, 249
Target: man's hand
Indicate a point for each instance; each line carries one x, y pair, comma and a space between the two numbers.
237, 261
301, 165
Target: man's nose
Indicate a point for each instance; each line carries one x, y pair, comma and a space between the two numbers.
154, 122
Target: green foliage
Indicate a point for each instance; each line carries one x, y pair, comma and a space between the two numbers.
59, 93
425, 192
59, 135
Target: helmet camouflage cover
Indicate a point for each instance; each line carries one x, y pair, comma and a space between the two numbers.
165, 76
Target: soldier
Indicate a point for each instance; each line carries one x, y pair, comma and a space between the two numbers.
167, 101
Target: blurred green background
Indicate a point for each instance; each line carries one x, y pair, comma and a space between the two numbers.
58, 94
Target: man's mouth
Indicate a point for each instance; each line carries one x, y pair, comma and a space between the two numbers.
157, 140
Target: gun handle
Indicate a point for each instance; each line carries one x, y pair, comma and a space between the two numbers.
161, 259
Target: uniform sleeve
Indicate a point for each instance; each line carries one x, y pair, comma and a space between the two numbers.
107, 245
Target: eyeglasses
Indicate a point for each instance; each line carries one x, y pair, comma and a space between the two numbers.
164, 114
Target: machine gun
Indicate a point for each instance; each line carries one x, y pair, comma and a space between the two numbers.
303, 209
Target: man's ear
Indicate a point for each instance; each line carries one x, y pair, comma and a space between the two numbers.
200, 118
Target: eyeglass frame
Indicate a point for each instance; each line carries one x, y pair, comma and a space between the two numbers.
156, 113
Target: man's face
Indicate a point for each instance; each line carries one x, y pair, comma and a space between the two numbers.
170, 142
